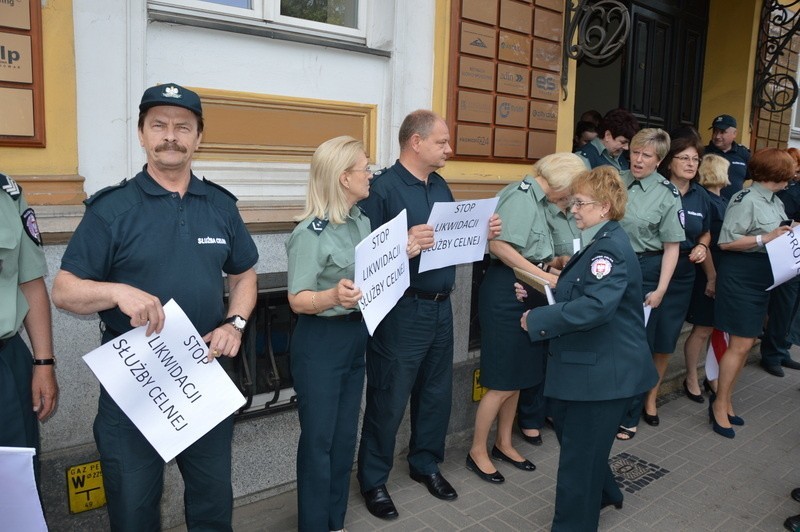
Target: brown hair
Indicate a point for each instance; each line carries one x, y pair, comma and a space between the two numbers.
604, 185
771, 165
676, 146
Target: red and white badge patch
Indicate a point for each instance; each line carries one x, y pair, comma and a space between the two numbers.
601, 266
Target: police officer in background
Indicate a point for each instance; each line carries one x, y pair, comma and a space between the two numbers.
411, 351
28, 387
140, 244
723, 132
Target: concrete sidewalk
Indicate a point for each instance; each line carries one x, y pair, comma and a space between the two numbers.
679, 476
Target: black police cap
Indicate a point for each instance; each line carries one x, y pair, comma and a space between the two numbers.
171, 94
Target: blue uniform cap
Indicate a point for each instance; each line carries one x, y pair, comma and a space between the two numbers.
723, 122
171, 94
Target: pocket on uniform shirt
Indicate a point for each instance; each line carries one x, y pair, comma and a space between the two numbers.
344, 258
588, 358
651, 221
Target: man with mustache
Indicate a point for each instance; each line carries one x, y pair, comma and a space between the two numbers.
165, 234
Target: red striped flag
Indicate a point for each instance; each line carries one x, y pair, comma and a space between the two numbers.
716, 348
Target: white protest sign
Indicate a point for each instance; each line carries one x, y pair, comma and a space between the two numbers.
19, 505
165, 384
784, 257
382, 271
459, 232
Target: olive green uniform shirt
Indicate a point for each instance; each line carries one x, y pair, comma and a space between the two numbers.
752, 211
321, 254
21, 258
522, 207
652, 214
562, 228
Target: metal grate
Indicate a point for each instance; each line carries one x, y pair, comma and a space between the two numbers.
632, 473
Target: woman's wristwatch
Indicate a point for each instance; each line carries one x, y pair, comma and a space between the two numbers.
238, 322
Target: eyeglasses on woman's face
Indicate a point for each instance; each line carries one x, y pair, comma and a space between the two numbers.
578, 205
686, 159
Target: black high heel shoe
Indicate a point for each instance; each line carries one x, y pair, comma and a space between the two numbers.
697, 398
653, 421
493, 478
707, 386
727, 432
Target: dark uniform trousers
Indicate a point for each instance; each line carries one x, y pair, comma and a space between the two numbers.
20, 428
328, 373
782, 307
133, 473
533, 406
411, 353
585, 431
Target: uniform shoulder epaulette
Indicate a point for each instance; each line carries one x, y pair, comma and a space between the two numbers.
671, 187
377, 174
317, 225
10, 186
524, 186
741, 195
221, 188
103, 191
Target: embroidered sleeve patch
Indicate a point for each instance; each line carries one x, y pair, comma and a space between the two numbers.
601, 266
31, 227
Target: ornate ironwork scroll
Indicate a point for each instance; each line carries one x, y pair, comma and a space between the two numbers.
775, 88
602, 28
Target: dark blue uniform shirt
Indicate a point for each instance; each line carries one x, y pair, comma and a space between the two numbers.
790, 197
738, 156
696, 214
395, 189
140, 234
717, 204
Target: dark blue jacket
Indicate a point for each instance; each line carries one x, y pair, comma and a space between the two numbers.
598, 344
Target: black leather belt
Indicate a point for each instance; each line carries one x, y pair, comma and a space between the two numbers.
430, 296
352, 316
650, 253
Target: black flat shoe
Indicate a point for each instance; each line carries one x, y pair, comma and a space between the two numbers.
792, 523
437, 485
653, 421
525, 465
533, 440
796, 494
697, 398
775, 370
494, 478
379, 503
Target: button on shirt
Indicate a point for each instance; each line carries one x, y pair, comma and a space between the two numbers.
562, 228
522, 206
395, 189
140, 234
651, 214
21, 260
319, 259
753, 211
696, 214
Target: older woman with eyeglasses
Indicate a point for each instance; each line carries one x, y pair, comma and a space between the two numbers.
652, 221
598, 354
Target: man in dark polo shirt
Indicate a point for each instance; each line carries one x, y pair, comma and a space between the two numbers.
723, 132
165, 234
411, 352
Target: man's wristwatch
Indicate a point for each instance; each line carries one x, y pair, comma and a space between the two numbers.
238, 322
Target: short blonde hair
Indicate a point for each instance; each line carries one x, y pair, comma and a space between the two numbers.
559, 169
325, 198
604, 185
652, 136
713, 171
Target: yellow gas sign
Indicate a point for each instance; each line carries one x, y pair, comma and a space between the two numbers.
85, 487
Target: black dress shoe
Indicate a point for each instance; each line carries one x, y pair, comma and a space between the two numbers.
617, 504
653, 421
773, 370
525, 465
796, 494
437, 485
791, 364
792, 523
379, 503
494, 478
697, 398
707, 386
